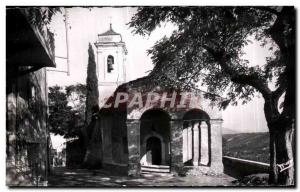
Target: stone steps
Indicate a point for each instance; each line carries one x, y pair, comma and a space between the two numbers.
155, 169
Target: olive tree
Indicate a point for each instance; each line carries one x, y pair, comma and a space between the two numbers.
207, 47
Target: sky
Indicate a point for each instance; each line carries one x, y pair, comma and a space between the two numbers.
85, 24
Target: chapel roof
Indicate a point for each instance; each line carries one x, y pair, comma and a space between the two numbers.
109, 32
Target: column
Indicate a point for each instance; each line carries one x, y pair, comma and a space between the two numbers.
185, 144
133, 134
196, 144
204, 151
176, 146
163, 151
190, 141
216, 146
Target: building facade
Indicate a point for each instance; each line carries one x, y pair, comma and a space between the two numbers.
173, 133
29, 51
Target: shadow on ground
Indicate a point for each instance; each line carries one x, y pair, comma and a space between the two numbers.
63, 177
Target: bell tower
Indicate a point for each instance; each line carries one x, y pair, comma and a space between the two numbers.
111, 63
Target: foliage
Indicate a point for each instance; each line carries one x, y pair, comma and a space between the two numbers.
92, 94
76, 96
41, 17
207, 47
59, 111
66, 110
92, 131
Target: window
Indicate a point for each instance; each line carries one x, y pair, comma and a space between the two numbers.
110, 63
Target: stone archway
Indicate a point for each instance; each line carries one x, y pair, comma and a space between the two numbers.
161, 145
155, 138
196, 143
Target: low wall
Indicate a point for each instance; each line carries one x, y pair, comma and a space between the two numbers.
236, 167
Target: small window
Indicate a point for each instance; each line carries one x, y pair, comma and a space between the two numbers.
110, 63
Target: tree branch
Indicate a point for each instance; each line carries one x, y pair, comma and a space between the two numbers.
268, 9
251, 80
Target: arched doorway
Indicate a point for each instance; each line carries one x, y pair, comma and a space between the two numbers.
153, 151
155, 137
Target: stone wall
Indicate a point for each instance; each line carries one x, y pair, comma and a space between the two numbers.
114, 137
106, 124
133, 133
27, 135
237, 168
119, 138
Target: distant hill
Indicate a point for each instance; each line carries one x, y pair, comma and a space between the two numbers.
251, 146
228, 131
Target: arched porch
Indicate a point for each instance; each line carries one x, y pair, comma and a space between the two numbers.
155, 137
196, 138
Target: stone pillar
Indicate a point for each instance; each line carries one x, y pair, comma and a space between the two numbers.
204, 151
163, 152
216, 146
190, 141
176, 146
133, 134
185, 144
196, 144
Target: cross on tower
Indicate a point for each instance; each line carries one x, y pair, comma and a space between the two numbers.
110, 18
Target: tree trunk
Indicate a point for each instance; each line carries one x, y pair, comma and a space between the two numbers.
284, 156
282, 171
273, 175
281, 131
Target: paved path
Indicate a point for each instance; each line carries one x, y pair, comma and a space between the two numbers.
63, 177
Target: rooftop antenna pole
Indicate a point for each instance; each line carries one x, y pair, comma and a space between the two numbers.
67, 45
67, 41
